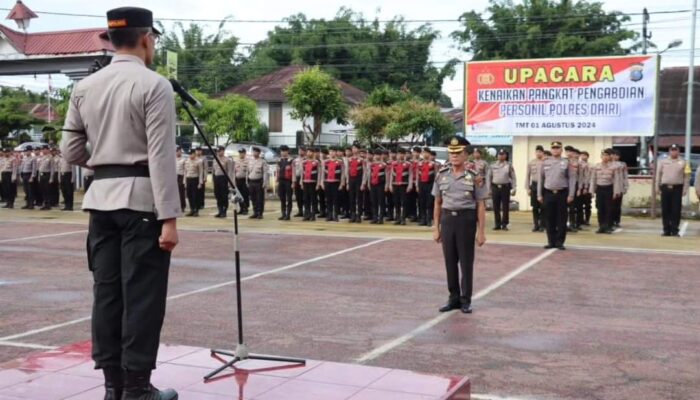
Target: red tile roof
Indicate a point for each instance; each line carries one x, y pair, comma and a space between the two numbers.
79, 41
40, 111
271, 87
20, 11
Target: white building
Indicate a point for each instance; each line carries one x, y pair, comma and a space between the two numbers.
273, 109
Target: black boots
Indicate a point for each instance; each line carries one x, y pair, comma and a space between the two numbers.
137, 386
114, 383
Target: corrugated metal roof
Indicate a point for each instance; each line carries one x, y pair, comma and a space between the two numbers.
20, 11
78, 41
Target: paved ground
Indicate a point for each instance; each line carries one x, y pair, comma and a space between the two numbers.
613, 317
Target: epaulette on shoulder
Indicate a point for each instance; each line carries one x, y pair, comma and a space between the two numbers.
444, 169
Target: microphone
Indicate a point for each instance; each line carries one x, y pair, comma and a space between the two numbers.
184, 94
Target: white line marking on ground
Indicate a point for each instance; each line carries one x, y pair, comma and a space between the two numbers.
27, 345
684, 228
391, 345
41, 236
205, 289
477, 396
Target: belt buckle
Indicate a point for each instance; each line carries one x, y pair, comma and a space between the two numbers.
555, 191
453, 213
669, 186
498, 186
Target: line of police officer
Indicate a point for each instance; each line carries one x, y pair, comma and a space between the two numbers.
41, 172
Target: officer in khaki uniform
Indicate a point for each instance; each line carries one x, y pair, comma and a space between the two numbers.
625, 183
241, 168
28, 171
460, 220
605, 183
180, 170
221, 185
194, 179
258, 178
126, 112
46, 170
555, 189
531, 179
586, 194
480, 165
673, 184
67, 181
55, 178
502, 183
9, 175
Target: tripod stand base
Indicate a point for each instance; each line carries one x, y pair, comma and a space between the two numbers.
241, 354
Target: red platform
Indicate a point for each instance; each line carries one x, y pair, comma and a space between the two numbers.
68, 373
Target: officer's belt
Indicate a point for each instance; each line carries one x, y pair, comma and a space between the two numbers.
121, 171
555, 191
456, 213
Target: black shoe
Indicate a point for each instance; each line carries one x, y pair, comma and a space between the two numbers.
190, 214
505, 228
496, 228
260, 216
390, 219
45, 208
196, 213
254, 216
571, 230
114, 383
243, 212
536, 229
549, 246
413, 219
137, 386
25, 208
422, 223
561, 247
313, 217
381, 222
586, 223
397, 222
600, 230
676, 234
542, 229
298, 215
282, 218
466, 308
666, 234
449, 307
609, 231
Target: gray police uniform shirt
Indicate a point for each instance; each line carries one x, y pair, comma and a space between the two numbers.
502, 173
228, 166
257, 170
556, 174
127, 114
28, 165
180, 165
458, 192
672, 172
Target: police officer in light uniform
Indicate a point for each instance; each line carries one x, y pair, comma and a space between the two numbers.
28, 171
45, 167
10, 173
298, 184
586, 194
555, 189
502, 183
126, 112
400, 183
241, 167
180, 169
460, 219
55, 177
201, 192
625, 183
286, 174
221, 186
258, 176
194, 180
480, 165
605, 183
673, 185
67, 179
531, 186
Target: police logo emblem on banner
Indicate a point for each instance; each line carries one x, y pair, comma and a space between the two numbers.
636, 72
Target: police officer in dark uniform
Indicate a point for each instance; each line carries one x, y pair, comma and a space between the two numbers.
126, 112
285, 176
460, 220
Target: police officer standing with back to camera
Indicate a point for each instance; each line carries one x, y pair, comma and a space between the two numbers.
257, 183
502, 183
460, 220
285, 176
126, 112
28, 171
298, 184
531, 185
221, 186
180, 168
241, 167
67, 179
555, 189
10, 172
673, 184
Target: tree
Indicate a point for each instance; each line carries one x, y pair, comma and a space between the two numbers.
364, 53
385, 96
415, 118
543, 28
315, 94
234, 118
371, 121
12, 118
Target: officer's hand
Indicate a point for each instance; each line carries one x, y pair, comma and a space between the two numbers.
529, 192
362, 188
168, 235
436, 235
512, 192
391, 189
31, 179
685, 193
480, 239
201, 186
569, 199
410, 189
541, 200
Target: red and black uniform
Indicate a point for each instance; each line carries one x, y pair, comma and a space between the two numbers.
425, 177
377, 183
333, 178
285, 176
400, 180
311, 174
355, 175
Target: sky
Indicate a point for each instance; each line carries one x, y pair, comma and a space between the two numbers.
665, 28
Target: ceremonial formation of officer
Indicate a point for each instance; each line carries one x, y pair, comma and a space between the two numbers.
126, 113
672, 183
502, 183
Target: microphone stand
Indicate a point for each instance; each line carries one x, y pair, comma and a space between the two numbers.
241, 353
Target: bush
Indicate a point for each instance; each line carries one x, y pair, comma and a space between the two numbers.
261, 135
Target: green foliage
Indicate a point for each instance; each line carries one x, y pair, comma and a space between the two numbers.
543, 28
361, 52
12, 117
414, 118
234, 117
315, 94
261, 135
371, 121
385, 96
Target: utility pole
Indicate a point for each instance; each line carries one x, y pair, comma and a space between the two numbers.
691, 89
645, 34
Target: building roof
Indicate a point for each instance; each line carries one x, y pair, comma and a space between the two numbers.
271, 87
673, 96
20, 11
79, 41
40, 111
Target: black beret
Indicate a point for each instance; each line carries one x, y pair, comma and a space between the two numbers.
585, 152
386, 152
607, 151
502, 151
256, 149
402, 151
539, 148
325, 151
426, 149
284, 147
568, 148
221, 148
242, 150
433, 153
130, 17
417, 149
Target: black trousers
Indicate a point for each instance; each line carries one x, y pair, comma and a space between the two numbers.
617, 210
390, 207
411, 205
671, 204
28, 188
87, 181
355, 196
458, 233
200, 195
322, 201
299, 195
221, 192
377, 197
242, 186
310, 199
9, 187
537, 213
130, 274
604, 205
286, 196
400, 200
257, 196
343, 200
3, 189
192, 190
54, 188
555, 215
45, 188
182, 191
573, 209
426, 201
332, 203
587, 200
500, 195
67, 189
37, 190
367, 203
